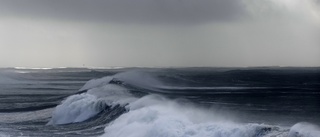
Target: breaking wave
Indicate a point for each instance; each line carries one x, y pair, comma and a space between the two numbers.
148, 112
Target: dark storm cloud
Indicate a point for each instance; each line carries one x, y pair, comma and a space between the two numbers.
318, 3
126, 11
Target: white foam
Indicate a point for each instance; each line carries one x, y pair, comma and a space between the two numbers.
151, 116
32, 68
78, 108
304, 129
156, 116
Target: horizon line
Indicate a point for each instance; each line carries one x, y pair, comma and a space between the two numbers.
120, 67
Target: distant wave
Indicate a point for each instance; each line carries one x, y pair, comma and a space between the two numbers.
32, 68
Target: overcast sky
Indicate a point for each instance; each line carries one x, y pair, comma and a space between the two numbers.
159, 33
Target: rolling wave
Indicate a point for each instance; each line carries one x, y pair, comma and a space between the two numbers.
134, 104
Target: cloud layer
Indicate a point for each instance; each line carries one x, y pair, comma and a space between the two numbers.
50, 33
127, 11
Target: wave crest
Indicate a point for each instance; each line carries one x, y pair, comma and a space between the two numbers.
153, 115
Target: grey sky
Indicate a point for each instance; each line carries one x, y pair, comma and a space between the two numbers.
125, 11
102, 33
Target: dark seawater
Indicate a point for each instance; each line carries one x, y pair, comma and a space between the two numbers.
154, 102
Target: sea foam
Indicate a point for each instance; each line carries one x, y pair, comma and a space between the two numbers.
76, 108
157, 116
153, 116
80, 107
304, 129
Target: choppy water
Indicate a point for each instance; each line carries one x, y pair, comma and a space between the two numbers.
137, 102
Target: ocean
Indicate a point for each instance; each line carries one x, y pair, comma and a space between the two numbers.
160, 102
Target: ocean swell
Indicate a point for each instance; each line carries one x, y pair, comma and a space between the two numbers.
154, 115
